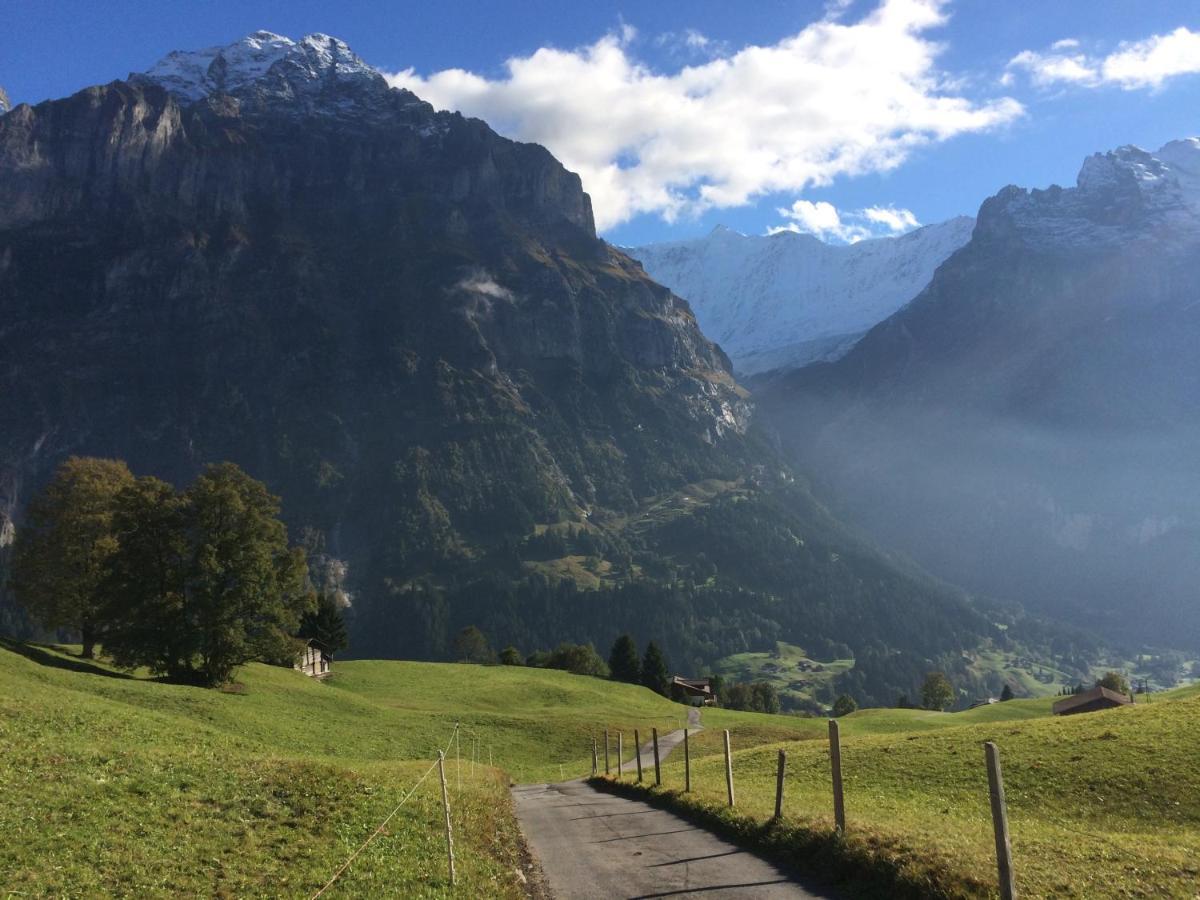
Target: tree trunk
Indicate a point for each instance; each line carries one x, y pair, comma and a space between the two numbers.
88, 637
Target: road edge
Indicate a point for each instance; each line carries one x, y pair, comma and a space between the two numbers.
865, 867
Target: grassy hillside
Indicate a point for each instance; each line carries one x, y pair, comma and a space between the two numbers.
1100, 805
123, 785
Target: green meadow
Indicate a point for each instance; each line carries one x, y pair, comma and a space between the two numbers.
1105, 804
120, 785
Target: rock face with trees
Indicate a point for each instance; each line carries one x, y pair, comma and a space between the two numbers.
407, 326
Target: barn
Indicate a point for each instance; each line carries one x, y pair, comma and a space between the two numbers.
1097, 698
315, 660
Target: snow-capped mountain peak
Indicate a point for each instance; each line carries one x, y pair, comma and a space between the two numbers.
262, 61
1125, 195
787, 299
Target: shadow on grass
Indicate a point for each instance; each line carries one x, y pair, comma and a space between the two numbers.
42, 655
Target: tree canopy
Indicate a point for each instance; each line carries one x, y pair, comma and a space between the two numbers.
843, 706
203, 581
1114, 681
63, 549
937, 692
471, 646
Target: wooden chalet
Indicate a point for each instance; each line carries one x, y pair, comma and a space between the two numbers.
1089, 701
315, 660
696, 691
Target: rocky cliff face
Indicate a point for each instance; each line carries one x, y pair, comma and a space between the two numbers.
402, 321
406, 325
1026, 425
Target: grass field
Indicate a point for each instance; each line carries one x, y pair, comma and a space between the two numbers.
1100, 805
117, 785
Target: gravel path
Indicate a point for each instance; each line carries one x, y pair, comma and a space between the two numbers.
592, 844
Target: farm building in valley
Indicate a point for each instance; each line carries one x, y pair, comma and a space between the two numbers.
696, 691
1090, 701
315, 660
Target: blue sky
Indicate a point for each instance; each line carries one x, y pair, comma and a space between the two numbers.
848, 115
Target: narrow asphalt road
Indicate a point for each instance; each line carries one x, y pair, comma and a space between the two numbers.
591, 844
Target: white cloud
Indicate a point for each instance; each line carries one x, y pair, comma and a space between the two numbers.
837, 99
1147, 63
893, 219
827, 222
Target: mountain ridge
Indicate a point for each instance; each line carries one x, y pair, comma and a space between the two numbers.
406, 326
787, 299
1022, 426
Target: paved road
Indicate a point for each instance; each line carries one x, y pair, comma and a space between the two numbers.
591, 844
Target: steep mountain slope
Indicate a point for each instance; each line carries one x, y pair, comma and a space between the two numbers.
406, 325
1029, 424
789, 299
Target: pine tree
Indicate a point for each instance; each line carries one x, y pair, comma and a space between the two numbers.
62, 551
623, 660
654, 670
1007, 693
326, 624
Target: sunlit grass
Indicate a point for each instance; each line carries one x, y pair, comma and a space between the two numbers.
117, 785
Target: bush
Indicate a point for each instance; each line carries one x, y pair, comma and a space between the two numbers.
581, 659
843, 706
511, 656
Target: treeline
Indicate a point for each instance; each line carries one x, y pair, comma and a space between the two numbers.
188, 583
650, 670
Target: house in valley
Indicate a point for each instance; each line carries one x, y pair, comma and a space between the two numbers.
693, 691
315, 660
1089, 701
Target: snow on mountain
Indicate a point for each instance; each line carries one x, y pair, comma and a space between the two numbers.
4, 101
1121, 196
265, 65
788, 299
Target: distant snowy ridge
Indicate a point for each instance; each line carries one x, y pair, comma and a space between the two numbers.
1127, 194
785, 300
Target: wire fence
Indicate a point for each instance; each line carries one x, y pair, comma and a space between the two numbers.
454, 741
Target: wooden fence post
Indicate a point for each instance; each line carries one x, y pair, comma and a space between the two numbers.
606, 768
637, 749
620, 754
1008, 885
779, 784
687, 765
446, 807
657, 771
595, 759
728, 769
835, 761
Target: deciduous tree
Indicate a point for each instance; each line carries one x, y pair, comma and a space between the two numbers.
843, 706
63, 548
937, 692
471, 646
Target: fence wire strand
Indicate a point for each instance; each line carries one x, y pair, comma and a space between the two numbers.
382, 825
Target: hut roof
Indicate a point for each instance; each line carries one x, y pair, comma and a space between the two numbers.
1099, 692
